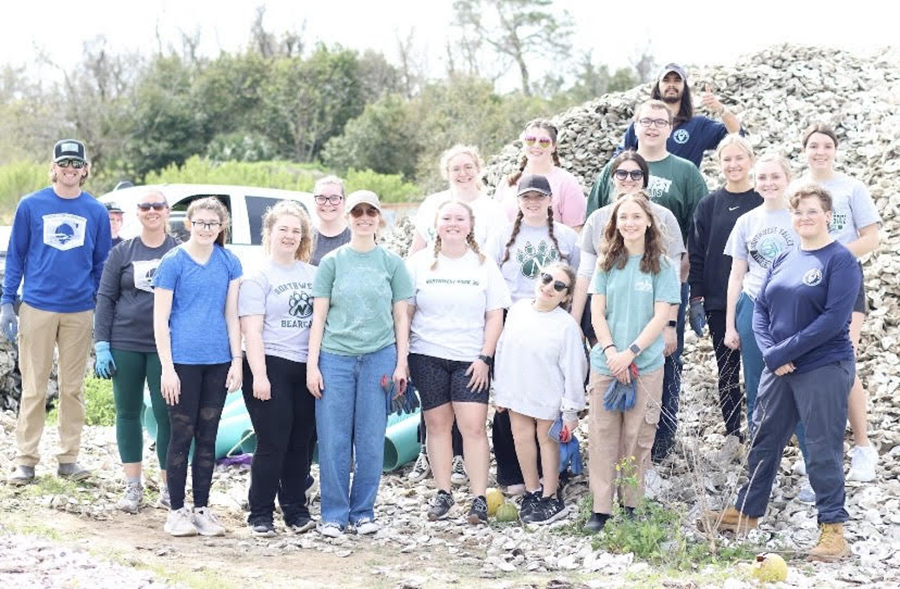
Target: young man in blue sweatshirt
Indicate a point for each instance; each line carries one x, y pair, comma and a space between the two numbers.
60, 239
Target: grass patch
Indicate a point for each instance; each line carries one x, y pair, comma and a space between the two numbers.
205, 579
99, 405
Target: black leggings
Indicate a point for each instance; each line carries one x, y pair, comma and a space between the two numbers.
729, 363
284, 426
195, 418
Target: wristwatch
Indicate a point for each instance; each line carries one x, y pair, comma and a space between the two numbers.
635, 349
486, 359
672, 323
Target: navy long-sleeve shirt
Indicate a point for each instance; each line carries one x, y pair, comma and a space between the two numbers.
714, 218
58, 245
802, 314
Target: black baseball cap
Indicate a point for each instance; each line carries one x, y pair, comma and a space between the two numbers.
69, 149
534, 183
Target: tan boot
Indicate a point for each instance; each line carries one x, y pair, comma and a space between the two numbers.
731, 519
832, 546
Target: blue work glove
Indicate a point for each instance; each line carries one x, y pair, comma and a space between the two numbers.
697, 316
105, 367
614, 397
8, 322
630, 395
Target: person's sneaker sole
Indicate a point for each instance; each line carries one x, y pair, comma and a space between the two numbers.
75, 476
20, 482
556, 517
474, 519
181, 534
302, 528
263, 533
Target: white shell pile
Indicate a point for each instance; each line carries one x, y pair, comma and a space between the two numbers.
11, 379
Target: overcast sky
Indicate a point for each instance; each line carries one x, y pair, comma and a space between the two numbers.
713, 32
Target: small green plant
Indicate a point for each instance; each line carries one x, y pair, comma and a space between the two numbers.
99, 406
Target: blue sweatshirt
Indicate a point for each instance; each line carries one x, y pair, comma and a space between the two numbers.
58, 245
690, 140
802, 313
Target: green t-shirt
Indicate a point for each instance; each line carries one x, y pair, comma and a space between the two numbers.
675, 183
362, 289
630, 297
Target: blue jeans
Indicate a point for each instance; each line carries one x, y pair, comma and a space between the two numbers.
668, 419
351, 418
817, 399
752, 358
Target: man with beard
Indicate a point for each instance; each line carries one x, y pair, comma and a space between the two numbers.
691, 135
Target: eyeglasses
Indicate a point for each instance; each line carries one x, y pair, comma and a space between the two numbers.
77, 164
358, 212
206, 224
333, 199
658, 123
543, 141
558, 285
156, 206
624, 174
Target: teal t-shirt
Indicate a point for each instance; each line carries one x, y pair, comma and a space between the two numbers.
630, 296
362, 287
675, 183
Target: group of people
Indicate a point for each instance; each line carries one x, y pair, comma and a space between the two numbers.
530, 294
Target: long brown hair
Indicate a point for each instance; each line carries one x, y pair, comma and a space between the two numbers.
551, 130
518, 225
613, 252
288, 207
470, 238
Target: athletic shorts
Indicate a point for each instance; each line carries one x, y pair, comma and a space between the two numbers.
441, 381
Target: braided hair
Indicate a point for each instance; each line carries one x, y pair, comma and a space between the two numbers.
551, 129
517, 225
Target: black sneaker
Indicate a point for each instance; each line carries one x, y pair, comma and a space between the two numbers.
548, 511
629, 513
478, 511
441, 505
596, 522
300, 523
530, 501
262, 527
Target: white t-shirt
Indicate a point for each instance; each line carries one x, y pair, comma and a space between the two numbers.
592, 236
853, 206
532, 250
489, 217
540, 365
758, 237
284, 296
451, 302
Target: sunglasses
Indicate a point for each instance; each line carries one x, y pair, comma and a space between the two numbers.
156, 206
624, 174
358, 212
334, 199
558, 285
206, 224
543, 141
77, 164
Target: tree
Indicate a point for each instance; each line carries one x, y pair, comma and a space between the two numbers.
622, 80
517, 31
644, 63
591, 80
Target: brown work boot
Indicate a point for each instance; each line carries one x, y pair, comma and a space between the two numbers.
731, 519
832, 546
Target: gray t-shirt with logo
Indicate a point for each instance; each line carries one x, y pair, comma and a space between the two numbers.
284, 296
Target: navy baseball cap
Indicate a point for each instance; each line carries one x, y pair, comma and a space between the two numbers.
69, 149
534, 183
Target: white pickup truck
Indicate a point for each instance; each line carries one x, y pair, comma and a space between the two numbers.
246, 205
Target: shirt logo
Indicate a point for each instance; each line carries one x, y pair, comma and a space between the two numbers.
767, 244
64, 231
143, 274
300, 304
533, 258
813, 277
734, 208
681, 136
643, 285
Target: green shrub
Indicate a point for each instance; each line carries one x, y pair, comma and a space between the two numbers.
99, 406
273, 174
388, 187
16, 180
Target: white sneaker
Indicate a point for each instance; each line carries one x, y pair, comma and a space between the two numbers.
421, 468
206, 523
862, 466
458, 475
132, 499
180, 523
806, 494
366, 526
331, 530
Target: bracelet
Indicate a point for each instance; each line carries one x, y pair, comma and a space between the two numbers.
486, 359
233, 358
607, 347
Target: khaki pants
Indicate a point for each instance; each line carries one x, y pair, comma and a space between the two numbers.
616, 436
39, 332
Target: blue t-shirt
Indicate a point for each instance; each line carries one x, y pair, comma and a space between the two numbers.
197, 321
689, 140
802, 313
58, 245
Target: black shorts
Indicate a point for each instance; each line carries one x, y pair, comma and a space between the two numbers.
861, 305
441, 381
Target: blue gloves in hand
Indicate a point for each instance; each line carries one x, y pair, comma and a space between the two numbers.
697, 314
619, 396
8, 322
105, 367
